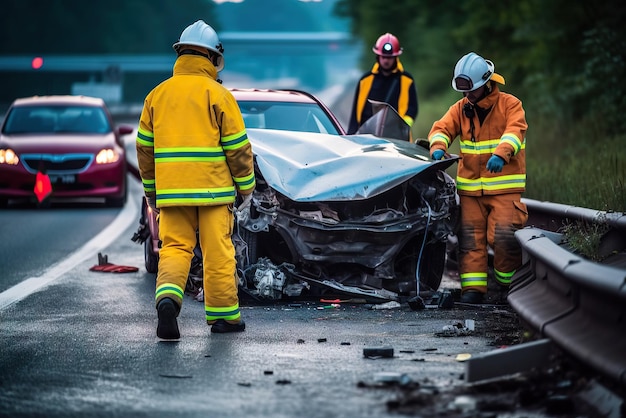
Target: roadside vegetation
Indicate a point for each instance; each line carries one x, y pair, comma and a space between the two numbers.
566, 62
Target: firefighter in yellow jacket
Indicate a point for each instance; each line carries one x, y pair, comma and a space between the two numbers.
386, 82
491, 175
194, 158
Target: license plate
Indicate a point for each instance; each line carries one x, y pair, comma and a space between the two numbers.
63, 178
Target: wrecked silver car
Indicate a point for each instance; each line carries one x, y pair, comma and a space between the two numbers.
336, 215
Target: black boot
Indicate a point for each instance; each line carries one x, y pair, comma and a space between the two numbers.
221, 326
473, 297
167, 311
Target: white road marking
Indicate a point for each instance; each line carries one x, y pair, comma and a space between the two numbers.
129, 214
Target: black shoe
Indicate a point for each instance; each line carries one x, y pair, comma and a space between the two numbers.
473, 297
222, 326
168, 326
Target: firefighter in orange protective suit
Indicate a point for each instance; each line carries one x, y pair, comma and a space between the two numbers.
194, 159
386, 82
491, 175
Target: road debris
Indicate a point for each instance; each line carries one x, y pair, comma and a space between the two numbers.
389, 380
106, 267
457, 329
388, 305
378, 352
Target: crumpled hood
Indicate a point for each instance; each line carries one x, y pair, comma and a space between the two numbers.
308, 167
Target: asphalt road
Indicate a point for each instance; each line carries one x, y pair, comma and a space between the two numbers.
86, 346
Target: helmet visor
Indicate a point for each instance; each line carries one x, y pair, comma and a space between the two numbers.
463, 83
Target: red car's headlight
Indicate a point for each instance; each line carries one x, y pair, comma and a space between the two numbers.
107, 156
8, 156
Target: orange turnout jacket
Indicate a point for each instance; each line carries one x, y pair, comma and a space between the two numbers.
503, 133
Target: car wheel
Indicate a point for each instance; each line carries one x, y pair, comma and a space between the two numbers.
432, 266
151, 259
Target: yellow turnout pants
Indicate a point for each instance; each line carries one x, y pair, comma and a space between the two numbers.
177, 231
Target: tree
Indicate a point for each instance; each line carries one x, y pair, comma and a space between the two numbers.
97, 26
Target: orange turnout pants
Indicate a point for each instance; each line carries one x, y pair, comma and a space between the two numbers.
490, 221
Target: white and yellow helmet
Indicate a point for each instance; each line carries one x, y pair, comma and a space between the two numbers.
472, 71
202, 35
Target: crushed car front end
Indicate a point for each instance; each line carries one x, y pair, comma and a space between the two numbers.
354, 215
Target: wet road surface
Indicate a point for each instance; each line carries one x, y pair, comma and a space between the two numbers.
86, 346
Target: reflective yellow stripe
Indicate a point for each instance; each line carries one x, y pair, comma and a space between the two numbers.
504, 278
403, 97
245, 183
489, 146
169, 289
514, 141
148, 185
439, 137
480, 147
511, 181
196, 196
230, 313
145, 138
364, 90
189, 154
236, 141
473, 279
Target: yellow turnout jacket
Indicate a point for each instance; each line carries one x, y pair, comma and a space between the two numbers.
192, 146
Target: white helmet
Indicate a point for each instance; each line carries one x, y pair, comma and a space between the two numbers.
472, 71
203, 35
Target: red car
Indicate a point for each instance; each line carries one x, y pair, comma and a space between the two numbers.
72, 139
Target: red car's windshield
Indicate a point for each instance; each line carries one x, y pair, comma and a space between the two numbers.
56, 119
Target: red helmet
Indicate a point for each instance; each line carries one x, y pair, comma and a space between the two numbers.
387, 44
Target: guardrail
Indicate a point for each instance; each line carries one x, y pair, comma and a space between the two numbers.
578, 304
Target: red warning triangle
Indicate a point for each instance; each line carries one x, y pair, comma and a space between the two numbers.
43, 187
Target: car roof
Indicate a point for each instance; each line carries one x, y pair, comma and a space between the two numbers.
59, 100
270, 95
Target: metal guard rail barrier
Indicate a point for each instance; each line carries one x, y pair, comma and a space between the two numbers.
580, 305
549, 215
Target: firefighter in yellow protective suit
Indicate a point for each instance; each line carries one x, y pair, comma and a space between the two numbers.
491, 175
386, 82
194, 158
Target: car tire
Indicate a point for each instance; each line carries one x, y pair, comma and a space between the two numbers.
151, 259
432, 266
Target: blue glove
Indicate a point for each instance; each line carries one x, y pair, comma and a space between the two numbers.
438, 154
495, 164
